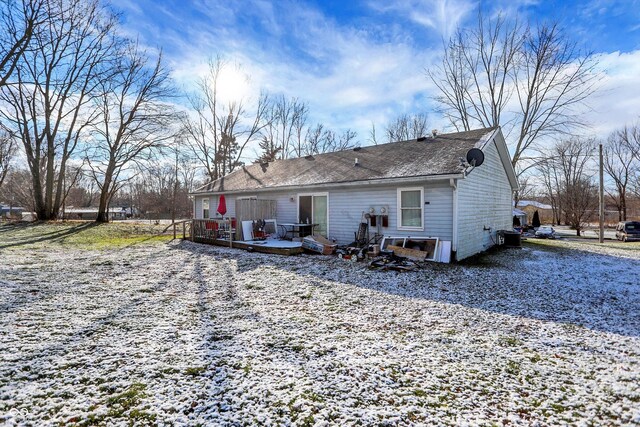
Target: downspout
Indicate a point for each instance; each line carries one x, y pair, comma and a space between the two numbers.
454, 244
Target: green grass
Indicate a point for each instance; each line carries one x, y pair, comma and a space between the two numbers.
560, 244
89, 235
420, 393
123, 405
509, 342
194, 371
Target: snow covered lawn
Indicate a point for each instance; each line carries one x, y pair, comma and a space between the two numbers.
186, 334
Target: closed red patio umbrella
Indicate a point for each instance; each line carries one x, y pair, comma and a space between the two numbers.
222, 205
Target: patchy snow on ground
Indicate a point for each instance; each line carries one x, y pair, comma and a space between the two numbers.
188, 334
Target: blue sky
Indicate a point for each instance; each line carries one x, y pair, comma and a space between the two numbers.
361, 62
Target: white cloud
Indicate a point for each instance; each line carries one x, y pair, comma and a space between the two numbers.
348, 78
443, 16
617, 101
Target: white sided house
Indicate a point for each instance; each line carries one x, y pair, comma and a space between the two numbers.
424, 187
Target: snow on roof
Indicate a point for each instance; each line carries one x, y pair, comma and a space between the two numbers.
525, 203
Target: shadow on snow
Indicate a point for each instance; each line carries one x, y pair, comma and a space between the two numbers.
547, 284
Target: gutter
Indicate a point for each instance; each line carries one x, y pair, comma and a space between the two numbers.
346, 184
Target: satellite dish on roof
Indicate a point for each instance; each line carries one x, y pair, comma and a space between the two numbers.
475, 157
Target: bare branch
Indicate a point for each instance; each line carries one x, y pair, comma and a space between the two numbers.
483, 67
135, 120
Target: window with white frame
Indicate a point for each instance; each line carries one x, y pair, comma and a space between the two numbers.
205, 208
410, 208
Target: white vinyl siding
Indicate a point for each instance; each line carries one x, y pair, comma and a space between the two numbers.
484, 201
346, 207
410, 209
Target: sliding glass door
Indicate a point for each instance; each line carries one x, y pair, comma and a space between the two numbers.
314, 208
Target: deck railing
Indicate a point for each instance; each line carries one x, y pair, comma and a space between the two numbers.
210, 230
186, 228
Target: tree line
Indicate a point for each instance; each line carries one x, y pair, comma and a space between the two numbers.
569, 176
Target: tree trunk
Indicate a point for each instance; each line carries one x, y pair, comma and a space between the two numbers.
105, 196
103, 209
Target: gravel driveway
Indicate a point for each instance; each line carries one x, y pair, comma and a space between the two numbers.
188, 334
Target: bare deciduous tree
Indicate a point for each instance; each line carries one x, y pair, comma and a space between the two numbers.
219, 131
525, 190
7, 151
373, 136
134, 120
475, 73
48, 107
287, 134
321, 140
482, 68
156, 192
84, 191
19, 19
552, 80
17, 189
283, 135
621, 163
406, 127
551, 182
569, 185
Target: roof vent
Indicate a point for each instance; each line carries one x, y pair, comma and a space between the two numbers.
422, 138
356, 163
434, 132
357, 148
309, 157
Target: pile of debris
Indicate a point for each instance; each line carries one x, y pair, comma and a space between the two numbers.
390, 261
378, 260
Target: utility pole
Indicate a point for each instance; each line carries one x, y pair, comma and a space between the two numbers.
175, 190
601, 194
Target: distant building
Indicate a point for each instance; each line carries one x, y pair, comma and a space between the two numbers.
11, 212
522, 217
91, 213
529, 207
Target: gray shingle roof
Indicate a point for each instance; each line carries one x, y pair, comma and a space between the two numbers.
413, 158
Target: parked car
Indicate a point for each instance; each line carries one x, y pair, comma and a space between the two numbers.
628, 230
546, 232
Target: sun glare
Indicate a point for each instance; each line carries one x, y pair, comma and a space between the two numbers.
234, 84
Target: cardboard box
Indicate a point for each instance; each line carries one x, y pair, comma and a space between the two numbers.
319, 244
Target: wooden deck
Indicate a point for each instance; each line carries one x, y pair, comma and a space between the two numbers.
203, 231
256, 246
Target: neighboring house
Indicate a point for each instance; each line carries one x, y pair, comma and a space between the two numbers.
91, 213
425, 187
522, 217
11, 212
545, 212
